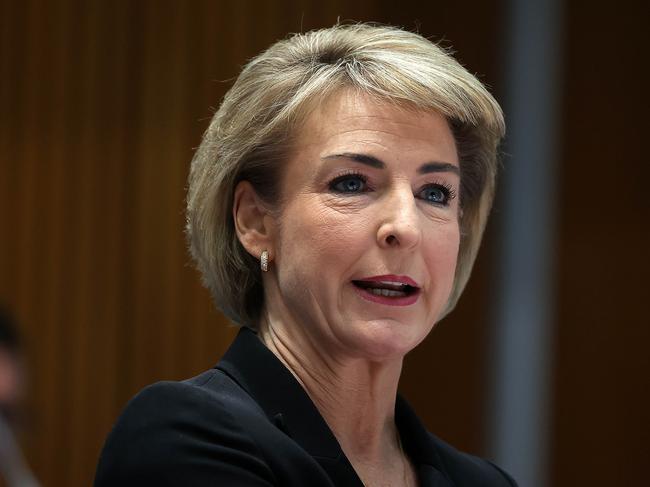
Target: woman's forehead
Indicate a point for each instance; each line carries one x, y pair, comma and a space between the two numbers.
351, 120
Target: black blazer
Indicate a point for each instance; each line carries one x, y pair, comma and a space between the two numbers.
248, 422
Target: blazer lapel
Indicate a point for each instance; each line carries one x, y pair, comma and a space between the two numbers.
418, 444
258, 371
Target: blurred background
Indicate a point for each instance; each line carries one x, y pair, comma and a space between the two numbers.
101, 106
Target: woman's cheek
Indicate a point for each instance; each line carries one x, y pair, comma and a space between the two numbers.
348, 235
331, 229
442, 251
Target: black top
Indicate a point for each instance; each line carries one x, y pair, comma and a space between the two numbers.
248, 422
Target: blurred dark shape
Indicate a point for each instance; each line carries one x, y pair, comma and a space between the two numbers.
11, 390
13, 468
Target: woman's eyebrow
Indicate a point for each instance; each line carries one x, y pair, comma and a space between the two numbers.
438, 167
362, 158
372, 161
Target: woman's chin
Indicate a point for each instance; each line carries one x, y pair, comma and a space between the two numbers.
383, 340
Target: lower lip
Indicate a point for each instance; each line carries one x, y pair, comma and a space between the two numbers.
403, 301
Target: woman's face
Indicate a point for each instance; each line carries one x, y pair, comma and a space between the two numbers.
367, 236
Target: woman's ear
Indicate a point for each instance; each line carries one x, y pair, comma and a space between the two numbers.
253, 223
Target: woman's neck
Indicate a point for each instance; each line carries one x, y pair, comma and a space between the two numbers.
356, 397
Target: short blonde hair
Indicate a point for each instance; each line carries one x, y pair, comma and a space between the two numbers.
251, 133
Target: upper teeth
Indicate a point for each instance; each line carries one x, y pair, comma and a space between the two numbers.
385, 292
392, 283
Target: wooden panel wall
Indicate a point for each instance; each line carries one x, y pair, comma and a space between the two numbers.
101, 105
602, 371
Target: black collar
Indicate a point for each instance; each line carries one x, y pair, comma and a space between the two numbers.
262, 375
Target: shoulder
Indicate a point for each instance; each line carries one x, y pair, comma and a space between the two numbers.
468, 470
185, 433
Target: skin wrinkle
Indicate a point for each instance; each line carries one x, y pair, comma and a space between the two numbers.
326, 387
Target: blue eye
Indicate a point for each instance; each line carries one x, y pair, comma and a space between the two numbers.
352, 183
436, 194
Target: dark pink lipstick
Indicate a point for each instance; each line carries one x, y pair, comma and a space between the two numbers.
388, 289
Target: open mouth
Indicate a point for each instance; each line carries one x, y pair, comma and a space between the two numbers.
387, 289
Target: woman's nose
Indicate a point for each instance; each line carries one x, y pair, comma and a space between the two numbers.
399, 221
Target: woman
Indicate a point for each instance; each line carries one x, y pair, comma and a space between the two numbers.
335, 208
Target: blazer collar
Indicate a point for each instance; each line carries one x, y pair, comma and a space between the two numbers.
420, 446
262, 375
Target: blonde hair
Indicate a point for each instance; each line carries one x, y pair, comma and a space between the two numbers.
251, 134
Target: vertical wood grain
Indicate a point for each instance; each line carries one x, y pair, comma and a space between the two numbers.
101, 106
